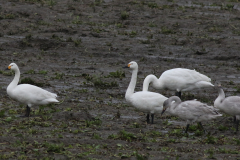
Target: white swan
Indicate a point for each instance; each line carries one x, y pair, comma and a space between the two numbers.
178, 79
229, 105
191, 111
28, 94
145, 101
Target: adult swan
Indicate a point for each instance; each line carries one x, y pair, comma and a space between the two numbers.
178, 79
28, 94
144, 101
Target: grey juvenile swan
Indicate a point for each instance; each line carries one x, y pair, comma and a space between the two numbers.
191, 111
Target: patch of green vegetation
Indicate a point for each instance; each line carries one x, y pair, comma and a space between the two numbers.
117, 74
198, 133
28, 80
59, 75
96, 122
152, 5
96, 136
2, 112
77, 42
42, 72
210, 151
211, 139
7, 16
56, 148
50, 3
222, 128
133, 34
176, 132
126, 136
167, 123
152, 24
124, 15
166, 30
31, 71
7, 73
97, 81
44, 23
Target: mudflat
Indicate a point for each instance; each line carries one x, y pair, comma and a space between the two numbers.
77, 48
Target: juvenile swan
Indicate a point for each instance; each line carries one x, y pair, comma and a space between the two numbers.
178, 79
229, 105
28, 94
191, 111
145, 101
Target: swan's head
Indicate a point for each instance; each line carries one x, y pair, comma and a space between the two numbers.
12, 66
132, 65
165, 105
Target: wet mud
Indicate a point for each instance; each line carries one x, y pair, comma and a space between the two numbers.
77, 48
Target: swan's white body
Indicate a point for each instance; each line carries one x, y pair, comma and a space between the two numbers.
26, 93
145, 101
178, 79
229, 105
191, 111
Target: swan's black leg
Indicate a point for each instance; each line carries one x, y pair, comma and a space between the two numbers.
234, 119
200, 124
152, 115
187, 128
178, 94
237, 123
27, 111
148, 120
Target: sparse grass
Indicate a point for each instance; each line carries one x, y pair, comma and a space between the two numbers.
117, 74
152, 5
124, 15
28, 80
166, 30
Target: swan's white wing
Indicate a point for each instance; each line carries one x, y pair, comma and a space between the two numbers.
147, 101
191, 76
231, 105
30, 94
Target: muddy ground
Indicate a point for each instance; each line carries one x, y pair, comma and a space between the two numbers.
77, 48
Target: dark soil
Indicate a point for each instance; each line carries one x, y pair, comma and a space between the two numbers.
77, 48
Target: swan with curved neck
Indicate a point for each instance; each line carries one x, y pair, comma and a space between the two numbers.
28, 94
178, 79
145, 101
229, 105
191, 111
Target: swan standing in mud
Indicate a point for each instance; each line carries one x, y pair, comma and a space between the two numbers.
145, 101
178, 79
229, 105
28, 94
191, 111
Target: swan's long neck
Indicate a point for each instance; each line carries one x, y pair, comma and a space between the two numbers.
132, 84
220, 97
155, 82
14, 83
174, 102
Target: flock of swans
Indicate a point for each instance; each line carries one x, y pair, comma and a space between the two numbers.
177, 79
